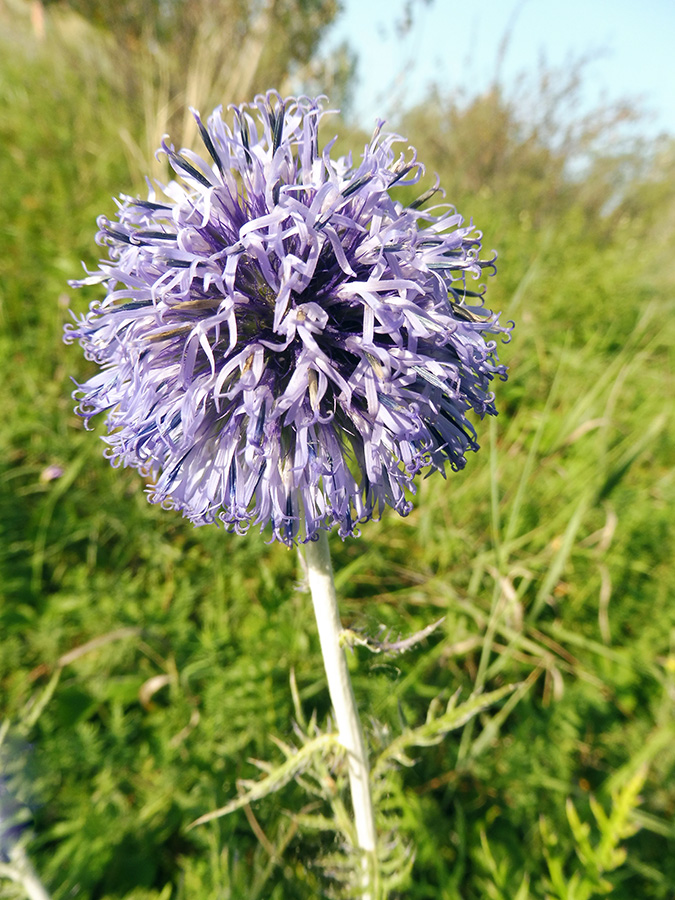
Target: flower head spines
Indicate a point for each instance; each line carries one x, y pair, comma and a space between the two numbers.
283, 341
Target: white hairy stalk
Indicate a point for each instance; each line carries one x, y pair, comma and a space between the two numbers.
322, 587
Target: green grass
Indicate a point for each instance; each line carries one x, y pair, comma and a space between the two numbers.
550, 557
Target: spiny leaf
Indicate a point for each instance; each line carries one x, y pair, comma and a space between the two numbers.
434, 730
278, 777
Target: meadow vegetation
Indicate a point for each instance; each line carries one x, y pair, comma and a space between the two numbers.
144, 663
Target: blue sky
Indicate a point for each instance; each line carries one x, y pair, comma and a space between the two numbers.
457, 45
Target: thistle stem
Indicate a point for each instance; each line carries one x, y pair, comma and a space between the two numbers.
322, 587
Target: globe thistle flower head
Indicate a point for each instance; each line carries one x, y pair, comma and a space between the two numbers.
282, 341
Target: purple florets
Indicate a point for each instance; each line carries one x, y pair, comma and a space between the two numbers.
281, 340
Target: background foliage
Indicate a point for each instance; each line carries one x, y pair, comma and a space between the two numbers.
143, 663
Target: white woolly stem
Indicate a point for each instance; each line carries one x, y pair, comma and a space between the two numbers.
322, 587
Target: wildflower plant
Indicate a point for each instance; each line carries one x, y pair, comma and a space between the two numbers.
284, 343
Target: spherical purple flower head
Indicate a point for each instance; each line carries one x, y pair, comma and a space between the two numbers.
282, 341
